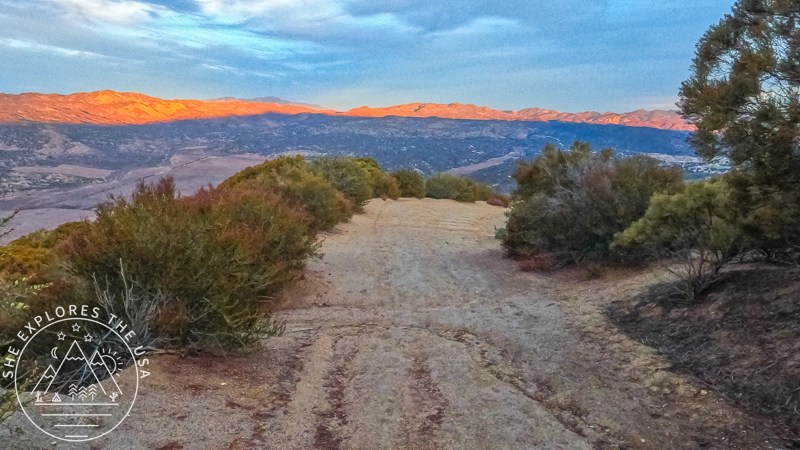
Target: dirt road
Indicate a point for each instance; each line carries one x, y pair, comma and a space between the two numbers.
414, 332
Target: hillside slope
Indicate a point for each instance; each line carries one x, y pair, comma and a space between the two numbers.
414, 332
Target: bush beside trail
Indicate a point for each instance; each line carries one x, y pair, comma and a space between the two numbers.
578, 206
348, 176
294, 180
462, 189
211, 256
410, 182
384, 185
692, 232
572, 202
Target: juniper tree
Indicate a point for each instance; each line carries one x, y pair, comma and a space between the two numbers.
744, 98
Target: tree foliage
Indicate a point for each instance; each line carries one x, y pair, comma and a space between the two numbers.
455, 187
744, 98
693, 232
383, 185
293, 179
574, 201
348, 176
410, 182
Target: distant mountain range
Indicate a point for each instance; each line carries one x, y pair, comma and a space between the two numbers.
268, 99
665, 120
126, 108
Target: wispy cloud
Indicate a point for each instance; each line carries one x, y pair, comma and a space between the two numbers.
113, 11
42, 48
326, 21
240, 72
309, 12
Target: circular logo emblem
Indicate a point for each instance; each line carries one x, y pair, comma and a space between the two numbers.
75, 389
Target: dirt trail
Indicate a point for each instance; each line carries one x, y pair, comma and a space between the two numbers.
414, 332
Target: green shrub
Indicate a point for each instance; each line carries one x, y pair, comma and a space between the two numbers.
15, 296
383, 185
277, 165
211, 257
693, 232
554, 169
484, 192
410, 182
24, 260
50, 238
326, 206
576, 201
454, 187
32, 255
348, 176
292, 178
769, 216
386, 186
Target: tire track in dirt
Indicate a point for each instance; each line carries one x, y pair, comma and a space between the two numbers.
330, 420
432, 404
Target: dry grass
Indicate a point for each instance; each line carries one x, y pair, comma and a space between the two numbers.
742, 339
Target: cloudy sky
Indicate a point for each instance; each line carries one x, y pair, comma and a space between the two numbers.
570, 55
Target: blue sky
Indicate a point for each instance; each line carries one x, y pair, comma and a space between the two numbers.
569, 55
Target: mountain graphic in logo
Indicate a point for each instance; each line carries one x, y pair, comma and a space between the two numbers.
76, 362
49, 374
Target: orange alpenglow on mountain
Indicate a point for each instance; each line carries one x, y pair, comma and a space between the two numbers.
665, 120
448, 111
127, 108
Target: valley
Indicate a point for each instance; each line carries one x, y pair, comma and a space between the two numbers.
69, 152
75, 166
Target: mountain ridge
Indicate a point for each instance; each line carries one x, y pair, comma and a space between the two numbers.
108, 107
661, 119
